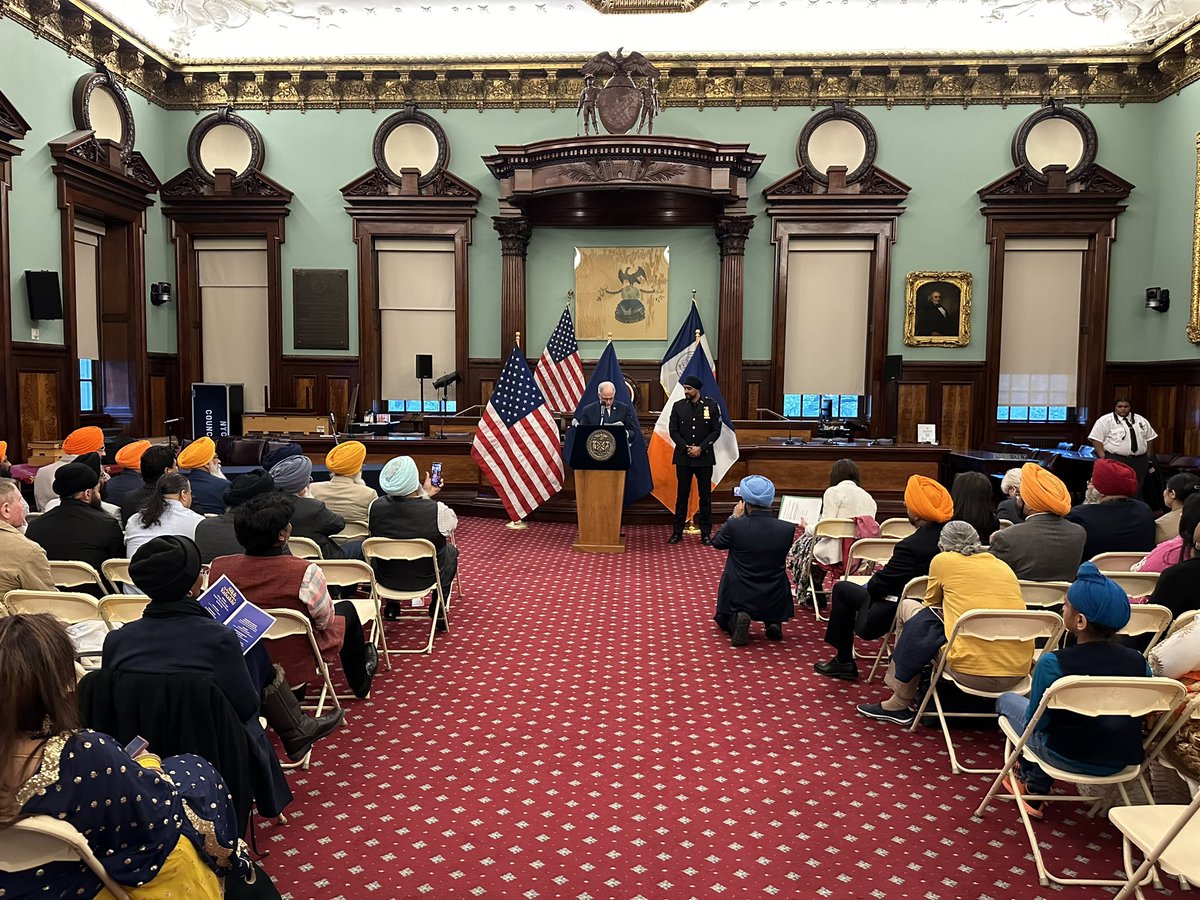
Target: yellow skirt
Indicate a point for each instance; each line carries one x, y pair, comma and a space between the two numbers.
184, 874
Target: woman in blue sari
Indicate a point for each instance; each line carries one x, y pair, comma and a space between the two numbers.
159, 827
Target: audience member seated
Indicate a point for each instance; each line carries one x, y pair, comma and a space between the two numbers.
92, 461
345, 493
1095, 610
1113, 519
128, 477
281, 452
77, 443
1178, 657
407, 511
1010, 507
1179, 488
198, 461
133, 817
754, 585
176, 634
843, 499
5, 465
215, 535
868, 610
167, 511
1044, 546
77, 528
23, 564
155, 462
311, 519
1178, 586
962, 578
273, 579
972, 496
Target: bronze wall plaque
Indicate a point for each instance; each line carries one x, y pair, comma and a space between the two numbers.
321, 309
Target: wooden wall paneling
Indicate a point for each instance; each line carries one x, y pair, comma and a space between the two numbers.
164, 392
957, 414
1190, 424
913, 408
1162, 407
159, 390
304, 393
44, 395
337, 391
13, 128
318, 385
1166, 393
41, 418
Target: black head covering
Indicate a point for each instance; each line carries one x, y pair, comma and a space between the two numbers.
693, 381
165, 568
91, 460
249, 485
279, 454
74, 478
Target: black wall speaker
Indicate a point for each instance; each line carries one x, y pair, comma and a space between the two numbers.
893, 367
45, 297
424, 365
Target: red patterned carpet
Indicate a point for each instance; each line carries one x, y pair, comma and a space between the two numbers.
586, 731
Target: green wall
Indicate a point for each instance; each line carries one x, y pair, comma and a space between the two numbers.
945, 154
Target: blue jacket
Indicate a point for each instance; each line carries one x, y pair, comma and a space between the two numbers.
755, 580
208, 491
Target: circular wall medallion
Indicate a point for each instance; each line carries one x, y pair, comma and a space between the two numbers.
601, 445
224, 140
1055, 135
839, 136
99, 105
410, 139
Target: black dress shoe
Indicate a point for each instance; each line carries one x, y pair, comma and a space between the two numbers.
675, 539
847, 671
741, 630
391, 611
774, 631
705, 540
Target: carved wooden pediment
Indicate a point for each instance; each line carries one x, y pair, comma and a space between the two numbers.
105, 162
800, 184
1093, 183
190, 187
13, 126
444, 188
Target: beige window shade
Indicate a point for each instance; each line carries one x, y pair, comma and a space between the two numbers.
827, 293
1039, 337
233, 316
417, 313
87, 293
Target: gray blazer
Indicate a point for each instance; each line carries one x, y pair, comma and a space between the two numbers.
1044, 547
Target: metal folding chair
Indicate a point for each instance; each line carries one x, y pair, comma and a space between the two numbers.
71, 574
304, 548
118, 609
352, 532
1117, 562
1085, 695
915, 590
40, 840
896, 528
1134, 584
349, 574
409, 550
116, 572
65, 606
292, 623
994, 626
1182, 621
1148, 618
839, 529
873, 550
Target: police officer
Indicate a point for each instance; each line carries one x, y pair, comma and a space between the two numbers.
695, 425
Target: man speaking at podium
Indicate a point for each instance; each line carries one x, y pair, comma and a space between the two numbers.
608, 410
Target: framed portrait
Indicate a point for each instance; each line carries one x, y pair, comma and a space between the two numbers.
621, 291
937, 309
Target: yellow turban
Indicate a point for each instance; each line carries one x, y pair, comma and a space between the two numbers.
1042, 491
927, 499
197, 454
84, 440
3, 449
347, 458
130, 456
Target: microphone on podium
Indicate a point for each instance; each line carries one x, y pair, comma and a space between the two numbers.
790, 442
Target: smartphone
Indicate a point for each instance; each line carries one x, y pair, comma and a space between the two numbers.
136, 746
435, 475
737, 490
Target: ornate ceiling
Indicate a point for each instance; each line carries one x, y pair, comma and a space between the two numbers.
225, 31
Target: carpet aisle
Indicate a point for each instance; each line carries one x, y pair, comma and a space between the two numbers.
585, 731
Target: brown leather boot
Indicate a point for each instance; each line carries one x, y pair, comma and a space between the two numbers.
296, 730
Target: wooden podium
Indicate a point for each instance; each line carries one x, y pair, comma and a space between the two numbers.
600, 458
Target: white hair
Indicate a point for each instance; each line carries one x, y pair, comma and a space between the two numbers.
1010, 481
606, 384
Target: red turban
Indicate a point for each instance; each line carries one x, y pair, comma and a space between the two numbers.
1114, 479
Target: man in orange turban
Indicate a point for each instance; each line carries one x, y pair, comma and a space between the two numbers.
79, 442
199, 461
129, 475
345, 493
5, 465
1113, 519
1045, 546
868, 610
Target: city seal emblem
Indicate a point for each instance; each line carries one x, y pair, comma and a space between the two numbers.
601, 445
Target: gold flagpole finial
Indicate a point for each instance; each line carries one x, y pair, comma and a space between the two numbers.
518, 339
697, 335
570, 297
610, 335
693, 295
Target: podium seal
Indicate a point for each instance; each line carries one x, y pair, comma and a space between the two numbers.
601, 445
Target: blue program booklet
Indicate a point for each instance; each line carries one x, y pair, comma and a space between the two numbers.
227, 605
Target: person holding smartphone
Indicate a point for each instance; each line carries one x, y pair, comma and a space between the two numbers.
754, 585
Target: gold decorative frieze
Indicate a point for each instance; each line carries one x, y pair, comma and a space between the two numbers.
696, 82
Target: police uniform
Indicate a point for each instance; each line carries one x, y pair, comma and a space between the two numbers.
692, 425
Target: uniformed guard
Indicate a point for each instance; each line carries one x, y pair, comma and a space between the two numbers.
695, 424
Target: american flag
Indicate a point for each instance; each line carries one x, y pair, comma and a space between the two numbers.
559, 371
516, 445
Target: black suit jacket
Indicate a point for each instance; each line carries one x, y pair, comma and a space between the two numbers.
929, 320
316, 521
755, 580
621, 412
910, 559
74, 530
1114, 526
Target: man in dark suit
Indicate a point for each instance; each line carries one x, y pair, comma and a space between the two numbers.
608, 410
1113, 519
695, 425
199, 462
78, 529
868, 610
754, 585
1045, 546
216, 535
933, 319
312, 519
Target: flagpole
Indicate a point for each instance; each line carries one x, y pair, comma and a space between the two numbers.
518, 524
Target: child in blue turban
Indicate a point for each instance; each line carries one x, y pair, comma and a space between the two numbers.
1095, 610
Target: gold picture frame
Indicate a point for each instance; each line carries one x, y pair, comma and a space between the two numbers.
927, 326
1193, 326
621, 292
